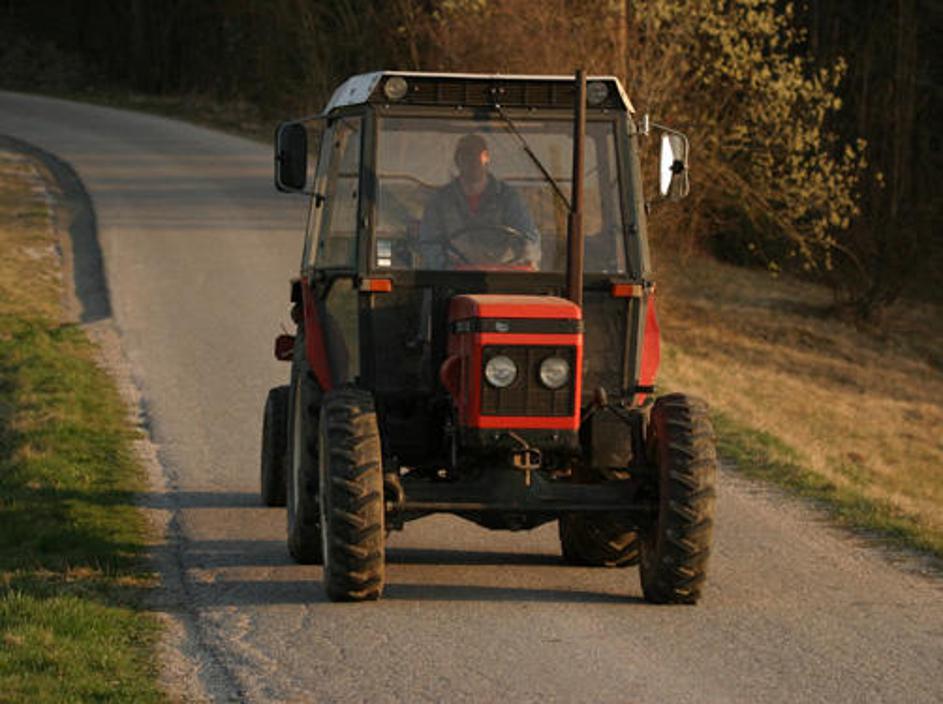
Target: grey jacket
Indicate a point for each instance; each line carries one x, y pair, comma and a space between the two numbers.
447, 213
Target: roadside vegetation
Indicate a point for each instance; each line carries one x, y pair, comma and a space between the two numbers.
851, 416
72, 543
802, 295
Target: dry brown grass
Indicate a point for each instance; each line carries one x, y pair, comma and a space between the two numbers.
863, 408
30, 279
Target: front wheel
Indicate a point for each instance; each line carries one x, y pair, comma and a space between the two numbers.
676, 546
351, 495
274, 440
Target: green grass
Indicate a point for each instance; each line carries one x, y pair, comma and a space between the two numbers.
761, 455
72, 543
61, 647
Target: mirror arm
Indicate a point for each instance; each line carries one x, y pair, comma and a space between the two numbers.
669, 130
647, 125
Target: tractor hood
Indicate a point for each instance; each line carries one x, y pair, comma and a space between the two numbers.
519, 334
498, 308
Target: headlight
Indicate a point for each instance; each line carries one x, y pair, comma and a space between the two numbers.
395, 87
554, 372
596, 92
500, 371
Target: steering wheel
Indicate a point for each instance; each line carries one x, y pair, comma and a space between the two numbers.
492, 239
454, 251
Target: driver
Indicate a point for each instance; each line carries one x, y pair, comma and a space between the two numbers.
477, 203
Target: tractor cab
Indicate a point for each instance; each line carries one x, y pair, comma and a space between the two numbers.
476, 328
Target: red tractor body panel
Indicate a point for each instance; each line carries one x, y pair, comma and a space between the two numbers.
511, 306
530, 328
315, 348
651, 351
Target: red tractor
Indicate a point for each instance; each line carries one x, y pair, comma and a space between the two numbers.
476, 331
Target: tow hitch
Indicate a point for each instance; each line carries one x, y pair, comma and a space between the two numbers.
527, 459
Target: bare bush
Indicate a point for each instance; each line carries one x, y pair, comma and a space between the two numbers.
769, 175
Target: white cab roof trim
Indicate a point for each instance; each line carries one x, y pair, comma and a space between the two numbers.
356, 89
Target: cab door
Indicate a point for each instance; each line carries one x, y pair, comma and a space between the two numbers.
331, 247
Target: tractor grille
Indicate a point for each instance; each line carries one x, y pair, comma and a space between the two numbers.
484, 93
527, 396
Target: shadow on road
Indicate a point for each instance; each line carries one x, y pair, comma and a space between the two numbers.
459, 592
200, 499
209, 554
254, 593
211, 565
428, 556
216, 569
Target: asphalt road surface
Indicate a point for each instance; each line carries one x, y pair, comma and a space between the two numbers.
198, 250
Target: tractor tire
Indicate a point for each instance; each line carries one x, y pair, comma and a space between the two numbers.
597, 541
304, 511
274, 443
351, 493
676, 546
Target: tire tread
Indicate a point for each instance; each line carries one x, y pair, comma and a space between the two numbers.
354, 563
676, 551
274, 445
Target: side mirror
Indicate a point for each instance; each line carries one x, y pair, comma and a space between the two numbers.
673, 174
291, 157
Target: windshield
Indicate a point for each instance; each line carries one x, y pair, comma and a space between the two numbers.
465, 195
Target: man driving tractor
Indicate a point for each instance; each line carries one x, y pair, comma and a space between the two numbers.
494, 372
475, 217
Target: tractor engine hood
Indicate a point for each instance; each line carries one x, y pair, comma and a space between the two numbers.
511, 310
514, 367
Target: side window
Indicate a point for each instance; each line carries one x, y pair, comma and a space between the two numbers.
337, 240
602, 216
317, 141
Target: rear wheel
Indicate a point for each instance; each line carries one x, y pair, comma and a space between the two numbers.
597, 541
676, 546
274, 442
304, 514
351, 495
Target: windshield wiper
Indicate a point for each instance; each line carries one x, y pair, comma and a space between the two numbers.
533, 157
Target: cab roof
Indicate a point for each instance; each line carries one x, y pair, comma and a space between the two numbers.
476, 90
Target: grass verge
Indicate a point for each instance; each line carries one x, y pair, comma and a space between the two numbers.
851, 417
72, 542
760, 455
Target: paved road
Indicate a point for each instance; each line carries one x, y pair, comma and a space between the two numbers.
198, 250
